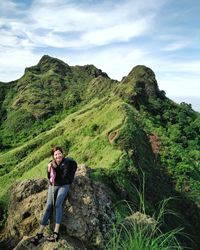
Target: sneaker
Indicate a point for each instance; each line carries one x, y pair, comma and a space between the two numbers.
54, 237
37, 238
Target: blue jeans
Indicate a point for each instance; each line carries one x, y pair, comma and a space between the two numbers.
60, 192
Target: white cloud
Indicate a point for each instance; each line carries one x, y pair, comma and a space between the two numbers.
175, 46
177, 66
63, 24
177, 78
179, 86
96, 26
119, 32
13, 62
53, 40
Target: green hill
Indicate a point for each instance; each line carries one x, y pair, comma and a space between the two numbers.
125, 131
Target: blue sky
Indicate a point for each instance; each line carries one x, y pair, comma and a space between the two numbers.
113, 35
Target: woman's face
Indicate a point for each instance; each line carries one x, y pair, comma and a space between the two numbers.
58, 156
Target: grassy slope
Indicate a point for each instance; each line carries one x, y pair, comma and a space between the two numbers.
88, 145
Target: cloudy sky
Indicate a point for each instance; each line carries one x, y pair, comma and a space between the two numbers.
114, 35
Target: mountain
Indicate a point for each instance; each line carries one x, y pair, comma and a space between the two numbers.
128, 132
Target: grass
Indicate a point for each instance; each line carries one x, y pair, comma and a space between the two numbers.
138, 239
143, 232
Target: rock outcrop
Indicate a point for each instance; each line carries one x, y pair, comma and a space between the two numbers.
87, 214
140, 220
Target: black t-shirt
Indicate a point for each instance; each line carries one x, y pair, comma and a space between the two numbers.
65, 172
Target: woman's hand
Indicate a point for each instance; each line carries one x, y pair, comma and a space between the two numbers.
51, 165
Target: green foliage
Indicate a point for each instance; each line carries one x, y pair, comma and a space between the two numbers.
17, 121
178, 128
4, 203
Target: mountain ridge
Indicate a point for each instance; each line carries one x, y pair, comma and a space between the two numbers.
122, 130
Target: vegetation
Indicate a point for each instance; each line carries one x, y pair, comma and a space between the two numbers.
122, 130
140, 231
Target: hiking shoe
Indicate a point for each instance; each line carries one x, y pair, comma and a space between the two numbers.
54, 237
37, 238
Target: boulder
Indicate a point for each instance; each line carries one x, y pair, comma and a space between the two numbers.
87, 213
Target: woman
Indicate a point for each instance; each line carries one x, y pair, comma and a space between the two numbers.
61, 173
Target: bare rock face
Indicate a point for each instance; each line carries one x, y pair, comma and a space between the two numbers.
26, 208
155, 144
87, 214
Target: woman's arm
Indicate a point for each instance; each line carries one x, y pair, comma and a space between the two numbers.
69, 170
50, 165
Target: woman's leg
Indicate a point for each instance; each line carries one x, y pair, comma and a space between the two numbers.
62, 193
49, 206
45, 218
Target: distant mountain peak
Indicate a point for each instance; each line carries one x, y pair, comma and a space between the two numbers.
50, 60
47, 63
143, 78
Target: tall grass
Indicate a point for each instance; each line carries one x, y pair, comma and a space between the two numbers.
139, 239
142, 232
